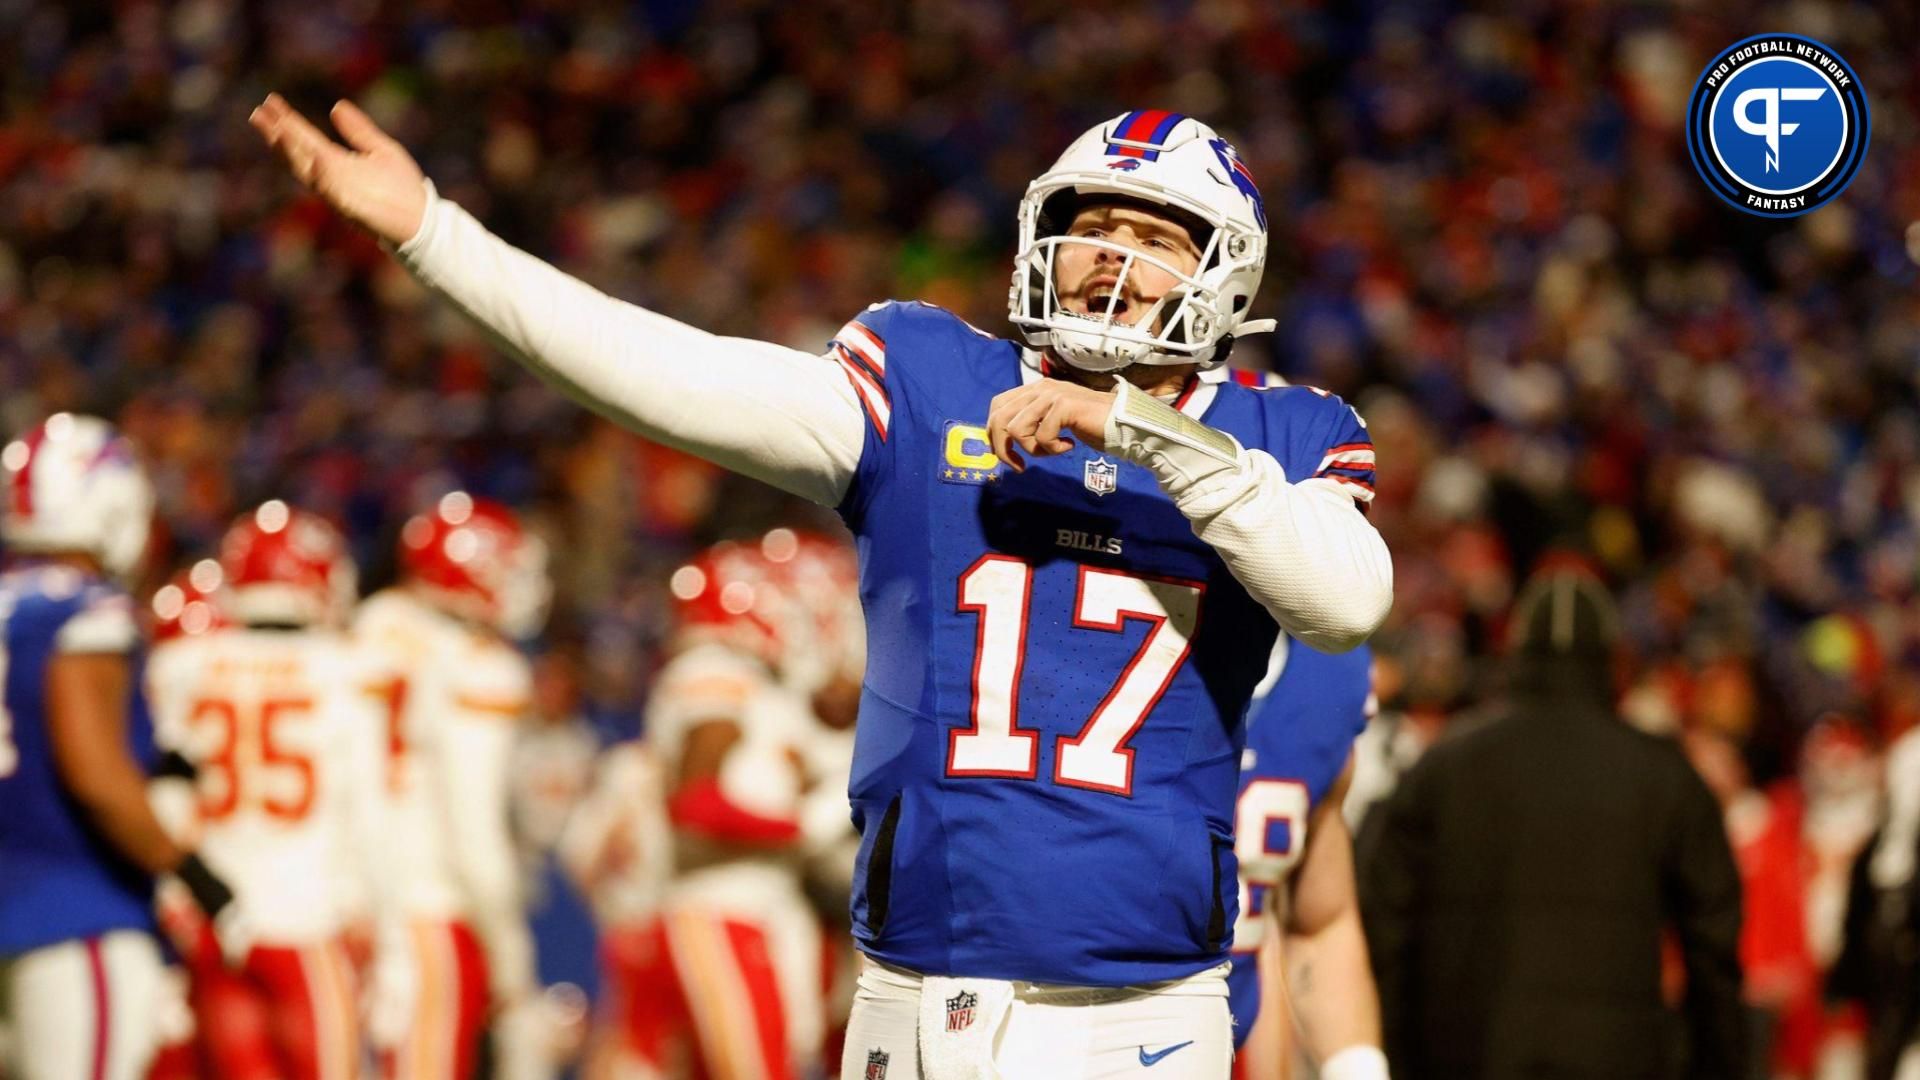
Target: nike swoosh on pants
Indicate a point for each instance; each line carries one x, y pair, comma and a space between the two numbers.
1154, 1058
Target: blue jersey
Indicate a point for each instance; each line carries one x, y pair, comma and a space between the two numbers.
1050, 730
59, 879
1299, 736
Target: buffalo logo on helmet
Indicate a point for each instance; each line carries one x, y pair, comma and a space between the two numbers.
1240, 177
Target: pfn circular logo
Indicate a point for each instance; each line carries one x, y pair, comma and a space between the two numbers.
1777, 125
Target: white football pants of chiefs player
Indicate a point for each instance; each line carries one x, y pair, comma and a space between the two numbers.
84, 1010
1175, 1030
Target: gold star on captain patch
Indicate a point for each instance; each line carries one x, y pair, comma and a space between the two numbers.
948, 474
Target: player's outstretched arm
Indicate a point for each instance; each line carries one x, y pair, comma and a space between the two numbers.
1329, 980
773, 413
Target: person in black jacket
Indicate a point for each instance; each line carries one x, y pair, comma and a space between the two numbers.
1518, 890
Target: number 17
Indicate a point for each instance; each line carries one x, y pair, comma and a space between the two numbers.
999, 589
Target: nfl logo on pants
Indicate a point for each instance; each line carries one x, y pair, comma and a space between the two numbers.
877, 1064
960, 1010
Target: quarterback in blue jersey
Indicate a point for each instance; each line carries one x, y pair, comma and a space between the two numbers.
1299, 916
79, 844
1075, 557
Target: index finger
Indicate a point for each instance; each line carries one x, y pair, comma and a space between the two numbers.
997, 437
287, 131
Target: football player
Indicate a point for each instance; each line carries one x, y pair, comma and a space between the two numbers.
1296, 875
728, 975
826, 576
181, 610
1075, 558
80, 845
285, 750
453, 685
617, 850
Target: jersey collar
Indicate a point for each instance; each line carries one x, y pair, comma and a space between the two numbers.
1193, 400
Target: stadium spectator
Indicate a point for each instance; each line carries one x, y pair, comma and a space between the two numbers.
1526, 870
1487, 234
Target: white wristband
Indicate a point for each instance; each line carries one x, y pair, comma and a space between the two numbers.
1356, 1062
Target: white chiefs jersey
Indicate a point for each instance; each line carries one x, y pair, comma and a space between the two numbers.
762, 772
617, 845
286, 750
451, 695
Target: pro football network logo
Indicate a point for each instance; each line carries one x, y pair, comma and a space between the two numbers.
877, 1064
1777, 125
960, 1009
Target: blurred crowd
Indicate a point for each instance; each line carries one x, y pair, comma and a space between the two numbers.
1486, 233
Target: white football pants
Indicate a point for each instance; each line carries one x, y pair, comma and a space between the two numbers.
1176, 1030
84, 1010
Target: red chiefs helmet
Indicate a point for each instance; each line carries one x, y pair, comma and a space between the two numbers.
790, 598
823, 576
286, 566
731, 593
188, 606
472, 558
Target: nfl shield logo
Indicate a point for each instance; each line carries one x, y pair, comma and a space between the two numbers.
1102, 476
877, 1064
960, 1010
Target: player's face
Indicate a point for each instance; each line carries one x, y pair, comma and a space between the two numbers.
1087, 275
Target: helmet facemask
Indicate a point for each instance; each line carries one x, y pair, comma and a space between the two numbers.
1174, 327
1191, 178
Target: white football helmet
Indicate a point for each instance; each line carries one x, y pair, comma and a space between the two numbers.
74, 484
1159, 158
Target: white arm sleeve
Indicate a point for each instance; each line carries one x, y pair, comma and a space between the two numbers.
773, 413
1303, 550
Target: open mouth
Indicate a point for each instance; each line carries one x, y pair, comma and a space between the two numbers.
1099, 296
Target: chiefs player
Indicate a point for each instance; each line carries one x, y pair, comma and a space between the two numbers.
617, 849
282, 747
182, 609
728, 974
457, 952
825, 664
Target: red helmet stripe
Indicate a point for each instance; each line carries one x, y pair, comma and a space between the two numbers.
1144, 121
23, 480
